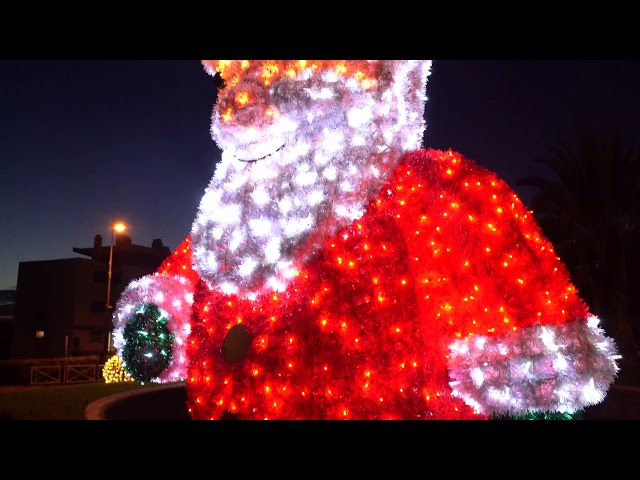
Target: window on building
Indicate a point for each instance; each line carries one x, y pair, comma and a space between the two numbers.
39, 333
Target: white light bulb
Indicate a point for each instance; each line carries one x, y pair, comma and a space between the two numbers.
247, 266
260, 227
272, 250
260, 196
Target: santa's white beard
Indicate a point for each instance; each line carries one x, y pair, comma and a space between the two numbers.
260, 221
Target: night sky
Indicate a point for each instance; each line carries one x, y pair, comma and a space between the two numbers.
85, 142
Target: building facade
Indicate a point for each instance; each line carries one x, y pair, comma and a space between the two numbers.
7, 312
61, 305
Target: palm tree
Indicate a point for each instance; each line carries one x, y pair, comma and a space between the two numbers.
590, 212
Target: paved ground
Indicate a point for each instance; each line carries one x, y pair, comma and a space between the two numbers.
169, 403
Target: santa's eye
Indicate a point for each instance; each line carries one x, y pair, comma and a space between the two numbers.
219, 81
236, 344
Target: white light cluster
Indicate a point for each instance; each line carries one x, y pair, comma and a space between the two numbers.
260, 195
498, 374
289, 169
272, 250
174, 297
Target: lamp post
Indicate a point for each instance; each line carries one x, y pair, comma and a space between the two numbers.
116, 227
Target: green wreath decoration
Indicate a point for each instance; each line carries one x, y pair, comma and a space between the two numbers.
148, 343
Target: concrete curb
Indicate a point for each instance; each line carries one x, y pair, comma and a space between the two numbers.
98, 410
126, 405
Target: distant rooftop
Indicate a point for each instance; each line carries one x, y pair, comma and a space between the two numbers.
126, 252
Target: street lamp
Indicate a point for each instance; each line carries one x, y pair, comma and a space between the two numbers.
116, 227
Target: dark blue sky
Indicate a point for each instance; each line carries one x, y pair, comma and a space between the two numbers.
85, 142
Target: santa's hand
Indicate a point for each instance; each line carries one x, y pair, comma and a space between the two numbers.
543, 368
151, 324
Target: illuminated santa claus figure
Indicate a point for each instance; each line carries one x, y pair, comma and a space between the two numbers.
338, 270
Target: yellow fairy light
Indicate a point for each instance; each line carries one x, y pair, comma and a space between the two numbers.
242, 98
114, 371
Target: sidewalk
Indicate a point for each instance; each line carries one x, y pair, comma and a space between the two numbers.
168, 402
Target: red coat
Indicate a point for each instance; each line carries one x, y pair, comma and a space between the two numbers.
443, 301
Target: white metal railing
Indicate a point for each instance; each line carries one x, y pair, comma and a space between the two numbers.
45, 374
53, 374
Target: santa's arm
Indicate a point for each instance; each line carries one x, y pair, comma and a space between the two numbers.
521, 339
152, 319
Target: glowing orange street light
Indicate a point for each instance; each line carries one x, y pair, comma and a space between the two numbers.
117, 227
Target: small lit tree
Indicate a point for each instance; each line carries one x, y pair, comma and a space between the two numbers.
114, 371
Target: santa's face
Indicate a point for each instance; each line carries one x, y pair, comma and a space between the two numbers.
305, 146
